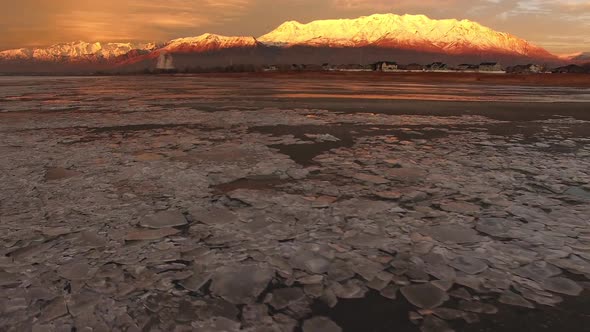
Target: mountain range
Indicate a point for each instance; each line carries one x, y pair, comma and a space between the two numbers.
406, 38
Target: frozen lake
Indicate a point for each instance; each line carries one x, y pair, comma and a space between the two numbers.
63, 93
258, 204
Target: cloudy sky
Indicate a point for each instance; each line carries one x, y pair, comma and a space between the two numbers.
561, 26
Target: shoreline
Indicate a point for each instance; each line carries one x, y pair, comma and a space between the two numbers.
566, 80
546, 80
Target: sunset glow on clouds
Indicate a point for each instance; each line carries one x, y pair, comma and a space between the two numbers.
560, 26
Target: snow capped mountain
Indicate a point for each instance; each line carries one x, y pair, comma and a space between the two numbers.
208, 42
408, 31
20, 53
75, 51
192, 45
406, 38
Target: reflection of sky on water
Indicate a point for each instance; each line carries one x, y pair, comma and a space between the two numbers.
442, 92
53, 93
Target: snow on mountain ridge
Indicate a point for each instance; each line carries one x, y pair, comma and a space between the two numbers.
208, 41
450, 35
75, 50
20, 53
410, 32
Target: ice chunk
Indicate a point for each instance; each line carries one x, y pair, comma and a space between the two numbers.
378, 284
241, 284
452, 233
495, 226
538, 271
440, 270
79, 270
58, 173
150, 234
478, 307
283, 297
435, 324
7, 279
390, 195
213, 216
310, 262
323, 137
461, 293
55, 309
448, 313
164, 219
216, 324
563, 286
469, 265
366, 268
443, 284
390, 292
405, 174
374, 179
514, 299
425, 296
540, 298
195, 282
320, 324
351, 289
460, 207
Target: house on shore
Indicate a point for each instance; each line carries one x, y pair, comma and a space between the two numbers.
354, 67
491, 67
386, 66
305, 67
437, 66
535, 69
270, 68
526, 69
328, 67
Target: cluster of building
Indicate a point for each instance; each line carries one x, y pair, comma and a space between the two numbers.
165, 64
485, 67
388, 66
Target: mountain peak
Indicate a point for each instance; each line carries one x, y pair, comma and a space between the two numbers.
208, 42
291, 23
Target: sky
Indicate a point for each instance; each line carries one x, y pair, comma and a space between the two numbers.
561, 26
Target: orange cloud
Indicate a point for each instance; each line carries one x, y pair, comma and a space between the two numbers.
561, 25
136, 19
116, 20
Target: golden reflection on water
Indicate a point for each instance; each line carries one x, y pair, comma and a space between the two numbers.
429, 97
18, 93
